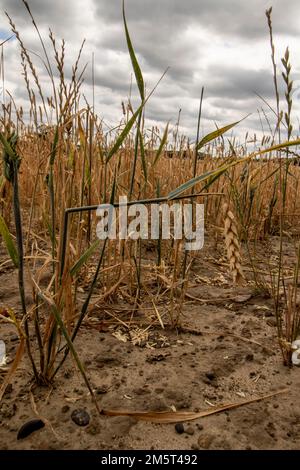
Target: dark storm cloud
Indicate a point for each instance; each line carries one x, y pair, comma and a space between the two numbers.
55, 13
222, 45
165, 34
233, 17
113, 78
157, 49
239, 83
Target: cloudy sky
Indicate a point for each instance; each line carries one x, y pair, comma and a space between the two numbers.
222, 45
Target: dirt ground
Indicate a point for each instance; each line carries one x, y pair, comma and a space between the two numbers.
226, 352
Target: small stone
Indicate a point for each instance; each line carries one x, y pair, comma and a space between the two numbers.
190, 431
179, 428
65, 409
250, 357
80, 417
210, 375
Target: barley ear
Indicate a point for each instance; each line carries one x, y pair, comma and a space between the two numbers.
232, 245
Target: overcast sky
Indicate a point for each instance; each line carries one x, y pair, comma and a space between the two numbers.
222, 45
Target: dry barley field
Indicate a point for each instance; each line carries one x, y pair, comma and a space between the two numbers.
140, 343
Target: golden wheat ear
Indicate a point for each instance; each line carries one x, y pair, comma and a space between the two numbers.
232, 246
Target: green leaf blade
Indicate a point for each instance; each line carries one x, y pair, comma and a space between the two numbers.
136, 68
9, 243
215, 134
162, 144
205, 176
143, 156
123, 134
84, 258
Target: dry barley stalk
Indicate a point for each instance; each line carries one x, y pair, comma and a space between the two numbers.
232, 245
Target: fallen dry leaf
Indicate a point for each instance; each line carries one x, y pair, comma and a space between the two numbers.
167, 417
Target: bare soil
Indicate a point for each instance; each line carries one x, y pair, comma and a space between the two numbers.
225, 352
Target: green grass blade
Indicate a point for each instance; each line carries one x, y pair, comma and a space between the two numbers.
135, 156
49, 227
9, 243
205, 176
215, 134
123, 134
162, 144
84, 258
281, 146
143, 156
61, 325
219, 171
7, 147
137, 70
54, 147
140, 83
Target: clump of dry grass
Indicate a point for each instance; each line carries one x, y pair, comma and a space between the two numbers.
232, 245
